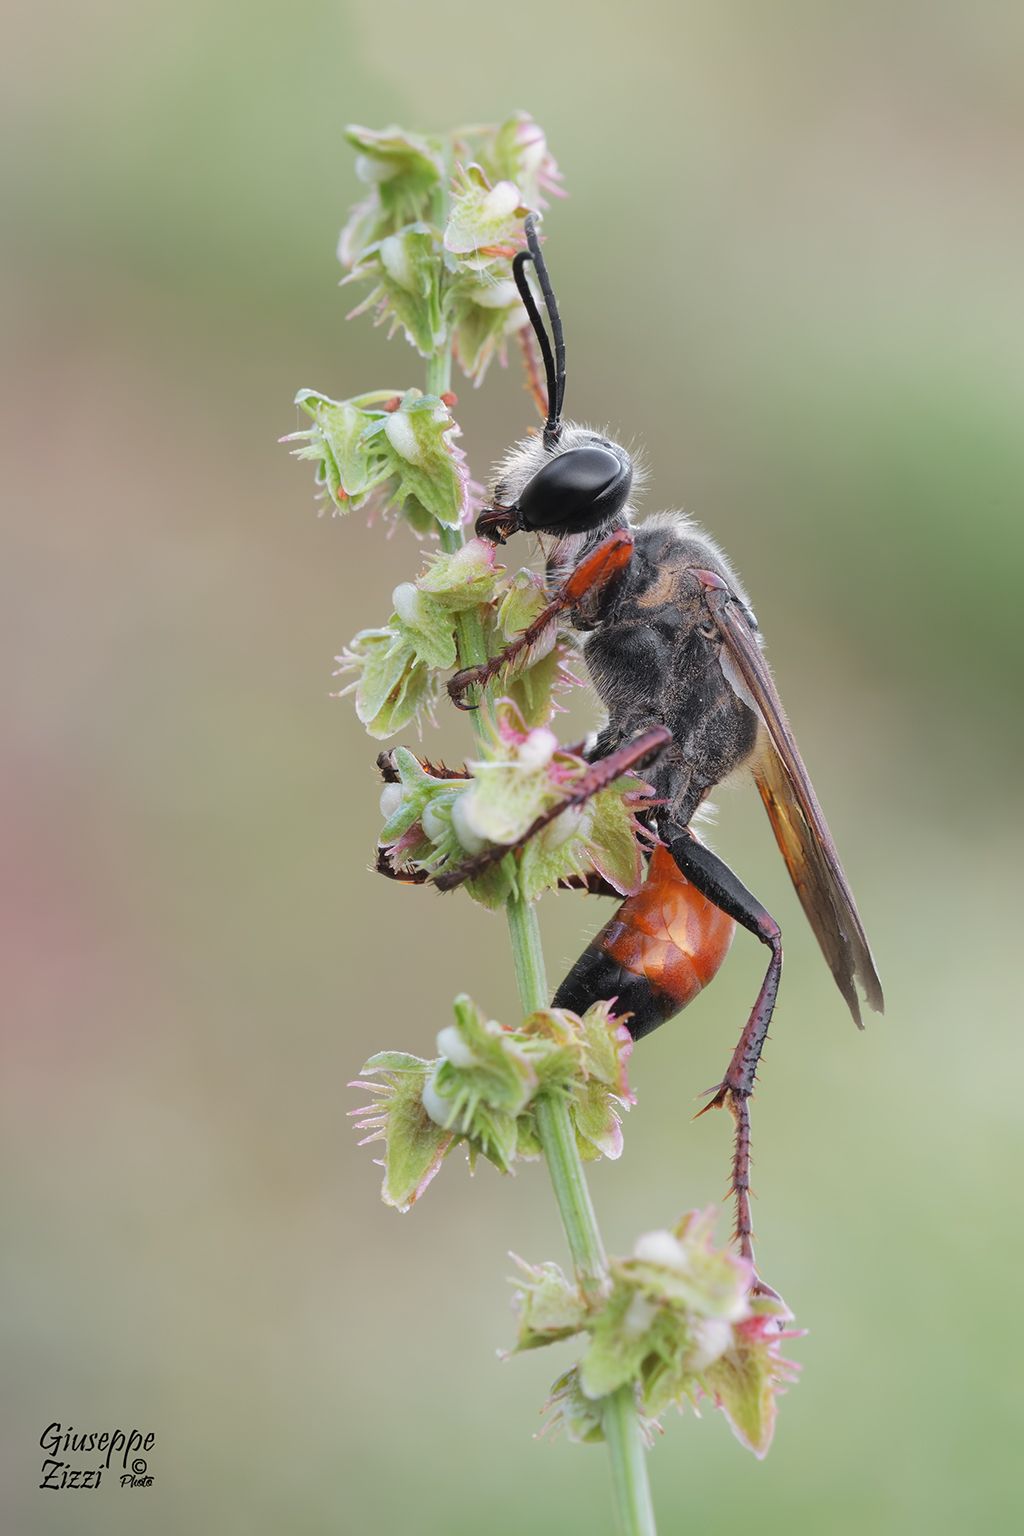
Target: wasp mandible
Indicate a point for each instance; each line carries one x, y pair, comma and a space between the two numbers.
674, 653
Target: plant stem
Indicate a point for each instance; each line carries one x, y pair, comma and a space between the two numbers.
554, 1123
558, 1138
468, 629
629, 1464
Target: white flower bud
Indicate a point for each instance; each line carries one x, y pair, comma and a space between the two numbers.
394, 256
437, 1107
639, 1316
390, 800
402, 436
407, 601
500, 295
661, 1248
369, 169
501, 201
451, 1044
462, 821
712, 1337
538, 749
432, 822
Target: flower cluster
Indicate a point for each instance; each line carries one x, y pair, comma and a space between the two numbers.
398, 450
446, 281
435, 823
397, 666
482, 1090
680, 1320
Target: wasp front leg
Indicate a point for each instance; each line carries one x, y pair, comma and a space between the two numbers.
589, 578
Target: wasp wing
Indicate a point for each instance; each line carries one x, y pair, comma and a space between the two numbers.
797, 819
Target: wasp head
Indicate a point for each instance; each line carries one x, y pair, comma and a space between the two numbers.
569, 480
577, 484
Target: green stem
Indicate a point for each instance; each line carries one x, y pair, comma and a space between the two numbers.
629, 1464
439, 382
554, 1123
469, 631
558, 1138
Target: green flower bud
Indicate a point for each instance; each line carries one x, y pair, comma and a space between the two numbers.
414, 1144
548, 1305
679, 1322
483, 1087
485, 220
403, 171
405, 271
399, 450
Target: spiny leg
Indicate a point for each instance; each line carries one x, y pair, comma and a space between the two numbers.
610, 557
715, 880
390, 774
633, 754
405, 874
592, 883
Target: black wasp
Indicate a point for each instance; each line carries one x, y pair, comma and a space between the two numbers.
673, 650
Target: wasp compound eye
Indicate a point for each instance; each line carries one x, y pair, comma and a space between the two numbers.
577, 491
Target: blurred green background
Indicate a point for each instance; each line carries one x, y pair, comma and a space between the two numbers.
790, 267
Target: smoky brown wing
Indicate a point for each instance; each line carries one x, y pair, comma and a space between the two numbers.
797, 819
841, 938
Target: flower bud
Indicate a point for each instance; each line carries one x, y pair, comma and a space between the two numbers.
661, 1248
402, 437
462, 821
452, 1045
538, 749
390, 800
440, 1109
712, 1337
498, 295
502, 201
433, 823
394, 254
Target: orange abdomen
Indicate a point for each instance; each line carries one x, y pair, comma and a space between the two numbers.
660, 949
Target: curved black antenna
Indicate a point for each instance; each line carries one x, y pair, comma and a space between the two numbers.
554, 363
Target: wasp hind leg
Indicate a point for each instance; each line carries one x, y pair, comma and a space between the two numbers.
715, 880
